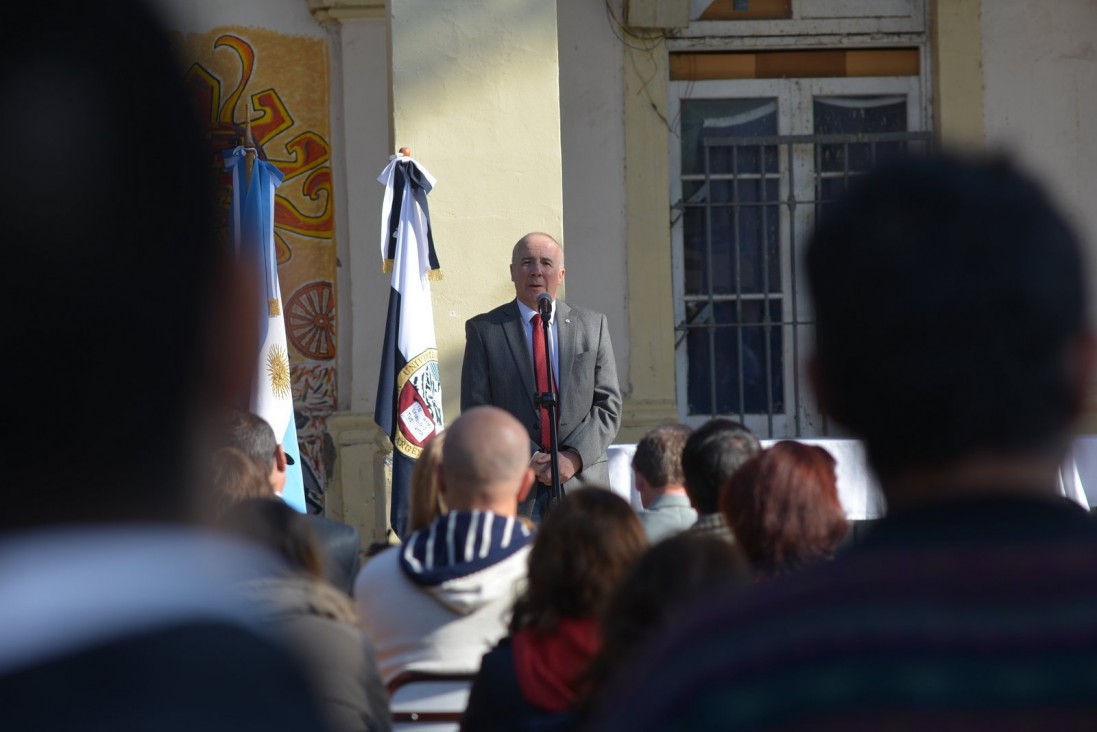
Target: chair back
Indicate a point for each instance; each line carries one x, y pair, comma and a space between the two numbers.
426, 702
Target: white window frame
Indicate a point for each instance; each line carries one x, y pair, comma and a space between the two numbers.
841, 18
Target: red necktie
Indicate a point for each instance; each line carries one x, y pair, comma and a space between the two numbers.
540, 357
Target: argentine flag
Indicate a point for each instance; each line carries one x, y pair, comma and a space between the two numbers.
251, 227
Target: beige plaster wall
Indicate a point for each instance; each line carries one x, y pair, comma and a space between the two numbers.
652, 394
361, 125
1041, 74
591, 126
1040, 68
362, 121
957, 72
475, 97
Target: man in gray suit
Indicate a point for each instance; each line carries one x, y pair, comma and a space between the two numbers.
657, 465
499, 370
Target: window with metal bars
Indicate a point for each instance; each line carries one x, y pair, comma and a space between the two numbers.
747, 196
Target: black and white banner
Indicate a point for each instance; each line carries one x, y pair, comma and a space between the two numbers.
409, 391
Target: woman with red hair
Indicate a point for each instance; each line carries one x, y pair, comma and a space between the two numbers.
782, 506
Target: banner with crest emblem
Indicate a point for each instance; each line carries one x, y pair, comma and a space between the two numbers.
251, 231
409, 391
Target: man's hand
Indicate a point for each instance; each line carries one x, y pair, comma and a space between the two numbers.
570, 464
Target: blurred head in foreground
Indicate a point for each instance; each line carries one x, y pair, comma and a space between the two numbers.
108, 242
951, 323
652, 593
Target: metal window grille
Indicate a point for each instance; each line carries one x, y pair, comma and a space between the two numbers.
773, 315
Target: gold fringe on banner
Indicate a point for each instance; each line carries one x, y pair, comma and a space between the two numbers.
433, 275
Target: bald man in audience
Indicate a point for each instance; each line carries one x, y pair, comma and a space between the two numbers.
657, 466
439, 602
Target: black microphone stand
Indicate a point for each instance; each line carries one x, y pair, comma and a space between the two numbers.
548, 400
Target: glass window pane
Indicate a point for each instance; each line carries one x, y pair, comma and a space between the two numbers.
853, 115
704, 119
731, 355
731, 240
694, 255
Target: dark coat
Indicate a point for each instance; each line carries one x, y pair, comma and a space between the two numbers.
496, 703
318, 622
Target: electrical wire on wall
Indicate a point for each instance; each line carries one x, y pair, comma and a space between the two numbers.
647, 44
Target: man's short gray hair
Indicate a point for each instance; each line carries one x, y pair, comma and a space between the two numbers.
658, 457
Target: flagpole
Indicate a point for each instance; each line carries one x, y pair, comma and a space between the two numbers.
249, 147
251, 223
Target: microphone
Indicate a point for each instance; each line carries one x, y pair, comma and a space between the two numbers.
544, 305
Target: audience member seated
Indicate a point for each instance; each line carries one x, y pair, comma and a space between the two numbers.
583, 548
710, 457
437, 603
952, 339
340, 544
657, 465
116, 611
315, 619
650, 599
427, 503
782, 505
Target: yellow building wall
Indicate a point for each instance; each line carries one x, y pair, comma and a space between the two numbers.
652, 399
475, 90
956, 51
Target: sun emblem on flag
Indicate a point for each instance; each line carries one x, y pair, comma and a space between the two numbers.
278, 370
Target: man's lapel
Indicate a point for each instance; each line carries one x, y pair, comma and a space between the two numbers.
515, 331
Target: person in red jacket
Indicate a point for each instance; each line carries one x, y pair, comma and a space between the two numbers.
582, 550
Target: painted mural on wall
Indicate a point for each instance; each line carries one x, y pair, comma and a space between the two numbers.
283, 80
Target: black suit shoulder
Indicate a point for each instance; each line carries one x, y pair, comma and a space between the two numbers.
341, 546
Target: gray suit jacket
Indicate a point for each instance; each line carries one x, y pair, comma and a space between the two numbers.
498, 370
669, 514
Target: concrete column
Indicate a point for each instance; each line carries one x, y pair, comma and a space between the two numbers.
957, 55
1040, 72
652, 397
357, 492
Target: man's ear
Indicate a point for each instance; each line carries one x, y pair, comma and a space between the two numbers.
527, 482
279, 459
642, 487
